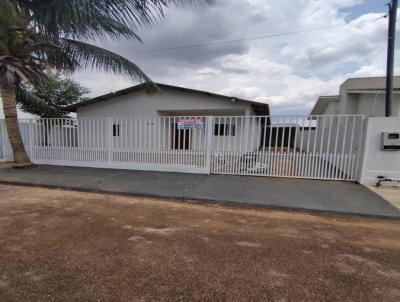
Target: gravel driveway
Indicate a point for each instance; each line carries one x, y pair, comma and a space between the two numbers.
59, 245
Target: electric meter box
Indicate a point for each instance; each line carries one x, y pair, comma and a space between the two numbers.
390, 141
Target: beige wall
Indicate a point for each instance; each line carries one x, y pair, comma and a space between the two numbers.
368, 104
332, 108
374, 104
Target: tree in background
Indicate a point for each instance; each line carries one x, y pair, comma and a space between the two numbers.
56, 93
36, 35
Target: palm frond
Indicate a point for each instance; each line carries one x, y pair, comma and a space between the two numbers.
49, 31
110, 27
28, 100
97, 18
85, 55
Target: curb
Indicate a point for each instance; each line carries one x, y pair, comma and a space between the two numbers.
233, 204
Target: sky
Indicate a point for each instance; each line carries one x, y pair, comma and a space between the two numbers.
288, 72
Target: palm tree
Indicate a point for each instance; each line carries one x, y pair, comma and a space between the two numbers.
37, 35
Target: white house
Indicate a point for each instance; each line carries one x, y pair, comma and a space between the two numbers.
364, 96
163, 120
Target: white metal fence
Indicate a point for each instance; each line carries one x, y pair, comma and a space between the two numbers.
321, 147
153, 143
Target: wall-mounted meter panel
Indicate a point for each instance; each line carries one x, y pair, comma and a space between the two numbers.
390, 141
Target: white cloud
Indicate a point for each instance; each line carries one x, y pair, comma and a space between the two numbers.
101, 83
293, 74
288, 72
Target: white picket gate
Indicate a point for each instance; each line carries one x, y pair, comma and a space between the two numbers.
318, 147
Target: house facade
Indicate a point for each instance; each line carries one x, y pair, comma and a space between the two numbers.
164, 120
169, 101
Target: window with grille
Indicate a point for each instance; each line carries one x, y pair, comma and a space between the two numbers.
224, 130
116, 130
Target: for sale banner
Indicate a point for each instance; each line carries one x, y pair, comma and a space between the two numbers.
190, 123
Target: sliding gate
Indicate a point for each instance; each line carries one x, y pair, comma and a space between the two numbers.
318, 147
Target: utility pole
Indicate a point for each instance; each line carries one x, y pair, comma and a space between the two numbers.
390, 56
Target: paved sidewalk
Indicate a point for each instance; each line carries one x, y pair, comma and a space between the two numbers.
390, 194
294, 194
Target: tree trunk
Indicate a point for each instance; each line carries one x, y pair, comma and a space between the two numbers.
21, 159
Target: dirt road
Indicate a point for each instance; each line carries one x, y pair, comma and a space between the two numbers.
67, 246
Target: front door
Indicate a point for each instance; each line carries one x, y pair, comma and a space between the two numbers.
181, 138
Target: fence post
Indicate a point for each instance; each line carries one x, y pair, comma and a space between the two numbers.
3, 139
109, 139
30, 140
209, 140
359, 164
362, 152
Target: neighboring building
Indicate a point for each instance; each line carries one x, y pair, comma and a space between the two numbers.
341, 116
154, 121
359, 96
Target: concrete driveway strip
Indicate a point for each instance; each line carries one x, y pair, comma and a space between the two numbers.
294, 194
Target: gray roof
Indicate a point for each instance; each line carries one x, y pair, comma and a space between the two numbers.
370, 83
259, 108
